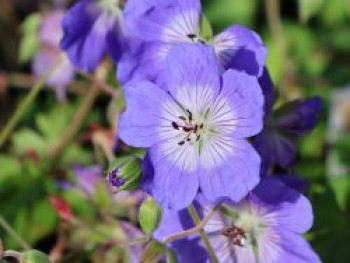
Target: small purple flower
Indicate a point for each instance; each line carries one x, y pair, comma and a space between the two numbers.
267, 226
196, 128
160, 25
93, 28
49, 52
278, 142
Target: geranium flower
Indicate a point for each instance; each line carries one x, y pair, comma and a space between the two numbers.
196, 128
93, 28
265, 227
160, 25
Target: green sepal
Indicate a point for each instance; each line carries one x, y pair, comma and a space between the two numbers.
206, 29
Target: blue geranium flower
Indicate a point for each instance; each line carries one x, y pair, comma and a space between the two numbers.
160, 25
266, 226
93, 28
196, 128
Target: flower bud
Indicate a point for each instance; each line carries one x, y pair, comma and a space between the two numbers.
149, 215
125, 173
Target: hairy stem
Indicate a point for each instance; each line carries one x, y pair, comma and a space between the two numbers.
193, 230
6, 226
204, 237
16, 117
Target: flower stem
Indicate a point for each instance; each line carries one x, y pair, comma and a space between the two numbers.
81, 113
13, 233
193, 230
204, 237
77, 121
16, 117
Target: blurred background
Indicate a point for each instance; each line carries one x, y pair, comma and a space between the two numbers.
52, 190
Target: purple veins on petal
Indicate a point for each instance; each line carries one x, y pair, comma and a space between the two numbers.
266, 226
196, 128
158, 26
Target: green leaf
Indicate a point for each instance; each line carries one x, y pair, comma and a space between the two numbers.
36, 222
30, 41
311, 145
26, 140
334, 12
9, 167
52, 130
309, 8
153, 252
149, 215
341, 188
223, 13
51, 125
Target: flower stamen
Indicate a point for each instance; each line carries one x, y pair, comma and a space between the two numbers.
189, 127
236, 235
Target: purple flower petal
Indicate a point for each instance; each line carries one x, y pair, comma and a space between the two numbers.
245, 97
268, 91
242, 49
302, 117
50, 30
176, 183
46, 57
292, 211
288, 247
171, 21
237, 174
89, 32
146, 61
193, 74
141, 121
